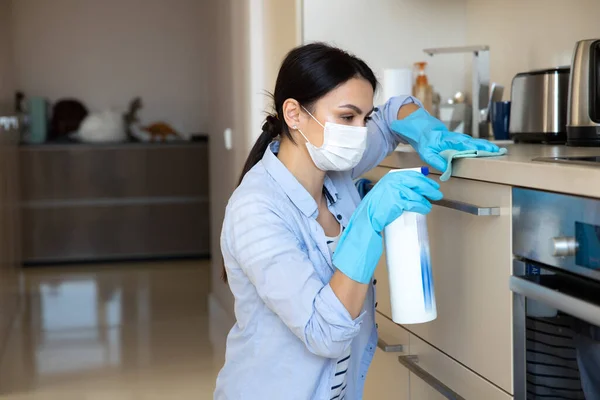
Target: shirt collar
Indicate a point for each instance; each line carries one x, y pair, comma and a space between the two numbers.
290, 185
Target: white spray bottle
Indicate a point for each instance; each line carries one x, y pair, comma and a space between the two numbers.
412, 293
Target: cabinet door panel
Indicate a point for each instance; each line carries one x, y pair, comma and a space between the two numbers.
471, 258
387, 378
420, 390
451, 377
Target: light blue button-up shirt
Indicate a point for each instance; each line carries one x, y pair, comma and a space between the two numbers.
291, 328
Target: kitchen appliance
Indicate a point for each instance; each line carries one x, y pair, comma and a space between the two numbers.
539, 106
583, 125
556, 289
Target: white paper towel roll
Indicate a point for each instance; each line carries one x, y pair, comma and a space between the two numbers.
397, 82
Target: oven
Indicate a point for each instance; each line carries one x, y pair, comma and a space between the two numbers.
556, 296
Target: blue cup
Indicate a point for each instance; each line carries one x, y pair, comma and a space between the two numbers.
500, 117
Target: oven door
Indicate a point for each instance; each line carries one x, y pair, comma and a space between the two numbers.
556, 321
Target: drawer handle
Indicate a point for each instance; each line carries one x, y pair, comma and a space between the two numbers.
468, 208
410, 362
390, 348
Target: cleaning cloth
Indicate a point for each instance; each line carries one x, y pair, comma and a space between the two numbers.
451, 155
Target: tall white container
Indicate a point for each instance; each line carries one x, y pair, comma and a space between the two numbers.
412, 292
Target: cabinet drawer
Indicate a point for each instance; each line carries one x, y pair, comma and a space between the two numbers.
119, 232
471, 259
135, 170
391, 334
428, 365
386, 377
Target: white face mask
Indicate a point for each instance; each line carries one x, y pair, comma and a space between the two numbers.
343, 146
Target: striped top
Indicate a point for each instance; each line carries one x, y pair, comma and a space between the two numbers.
338, 385
332, 242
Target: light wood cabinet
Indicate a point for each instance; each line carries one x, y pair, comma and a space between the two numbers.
419, 371
420, 390
433, 373
471, 258
387, 379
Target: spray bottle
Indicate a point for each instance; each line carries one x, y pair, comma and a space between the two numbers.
408, 262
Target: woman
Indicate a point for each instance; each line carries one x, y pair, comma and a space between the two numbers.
300, 247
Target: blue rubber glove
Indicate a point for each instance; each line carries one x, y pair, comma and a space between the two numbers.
360, 246
429, 136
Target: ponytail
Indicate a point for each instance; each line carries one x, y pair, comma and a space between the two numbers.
270, 130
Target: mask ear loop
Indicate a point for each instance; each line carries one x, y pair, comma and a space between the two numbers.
313, 117
308, 112
303, 135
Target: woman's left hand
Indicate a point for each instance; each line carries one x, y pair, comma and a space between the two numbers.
429, 136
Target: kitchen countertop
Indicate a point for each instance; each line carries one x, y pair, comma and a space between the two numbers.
517, 168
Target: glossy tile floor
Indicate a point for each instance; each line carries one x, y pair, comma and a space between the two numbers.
119, 332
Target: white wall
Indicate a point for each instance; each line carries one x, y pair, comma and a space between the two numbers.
523, 34
530, 34
7, 78
106, 52
393, 33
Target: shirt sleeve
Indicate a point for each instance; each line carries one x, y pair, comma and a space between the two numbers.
276, 263
381, 140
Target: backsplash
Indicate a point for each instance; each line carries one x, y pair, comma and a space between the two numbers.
522, 34
530, 34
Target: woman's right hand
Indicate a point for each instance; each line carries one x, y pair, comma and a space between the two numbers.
396, 192
360, 246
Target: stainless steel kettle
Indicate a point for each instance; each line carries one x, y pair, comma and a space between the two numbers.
583, 113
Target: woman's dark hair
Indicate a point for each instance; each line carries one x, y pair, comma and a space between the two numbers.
307, 73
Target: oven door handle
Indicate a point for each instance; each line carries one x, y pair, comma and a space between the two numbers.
571, 305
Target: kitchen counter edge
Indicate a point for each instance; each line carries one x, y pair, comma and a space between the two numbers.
517, 168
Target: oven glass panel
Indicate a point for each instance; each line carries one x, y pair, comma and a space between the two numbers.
588, 239
562, 352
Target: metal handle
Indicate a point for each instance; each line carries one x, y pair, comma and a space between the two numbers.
410, 362
571, 305
390, 348
458, 49
468, 208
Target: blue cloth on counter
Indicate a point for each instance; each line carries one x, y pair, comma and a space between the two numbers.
430, 137
451, 155
291, 328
